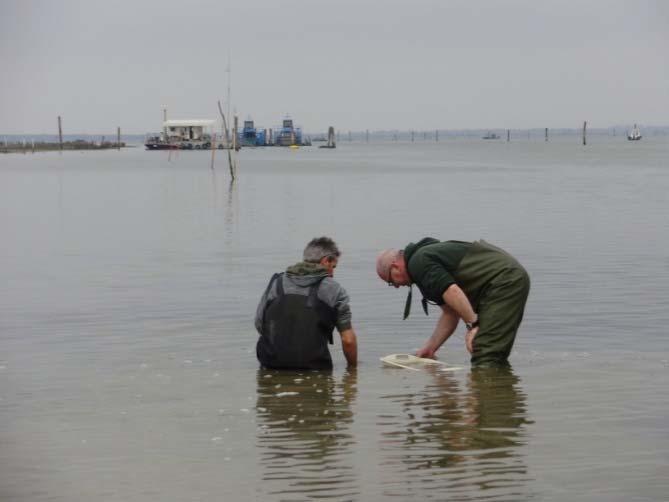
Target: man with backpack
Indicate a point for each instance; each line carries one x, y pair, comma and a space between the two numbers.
299, 310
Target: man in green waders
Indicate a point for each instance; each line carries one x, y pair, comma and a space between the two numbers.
474, 281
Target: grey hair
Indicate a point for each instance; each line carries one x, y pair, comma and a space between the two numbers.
320, 247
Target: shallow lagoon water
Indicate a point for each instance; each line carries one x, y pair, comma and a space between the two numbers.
127, 364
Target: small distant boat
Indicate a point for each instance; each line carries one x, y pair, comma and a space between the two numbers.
491, 135
331, 139
635, 135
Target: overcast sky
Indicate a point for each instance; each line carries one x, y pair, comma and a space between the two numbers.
356, 65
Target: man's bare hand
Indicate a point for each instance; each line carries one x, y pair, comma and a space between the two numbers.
427, 353
469, 339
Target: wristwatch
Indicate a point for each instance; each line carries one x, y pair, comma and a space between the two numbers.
471, 325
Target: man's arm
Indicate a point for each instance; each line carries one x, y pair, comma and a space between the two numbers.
448, 320
458, 301
349, 345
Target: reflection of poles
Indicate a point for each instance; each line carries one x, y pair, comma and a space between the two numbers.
233, 167
213, 149
231, 211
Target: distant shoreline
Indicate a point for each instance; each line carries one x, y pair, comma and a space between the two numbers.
35, 146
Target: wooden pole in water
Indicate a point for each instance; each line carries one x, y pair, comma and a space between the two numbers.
227, 142
585, 125
546, 133
234, 132
508, 135
118, 138
60, 133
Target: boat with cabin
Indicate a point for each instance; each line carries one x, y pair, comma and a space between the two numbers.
289, 135
635, 135
251, 136
190, 134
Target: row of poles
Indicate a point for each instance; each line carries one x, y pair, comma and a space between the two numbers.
436, 135
60, 135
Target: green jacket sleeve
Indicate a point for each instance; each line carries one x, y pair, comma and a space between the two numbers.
432, 279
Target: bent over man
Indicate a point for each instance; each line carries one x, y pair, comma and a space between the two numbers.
474, 281
299, 311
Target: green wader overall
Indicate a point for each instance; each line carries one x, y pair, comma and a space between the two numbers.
497, 287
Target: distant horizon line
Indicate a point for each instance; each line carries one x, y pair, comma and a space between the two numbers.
461, 131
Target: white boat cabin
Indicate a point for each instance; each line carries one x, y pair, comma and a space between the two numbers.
175, 131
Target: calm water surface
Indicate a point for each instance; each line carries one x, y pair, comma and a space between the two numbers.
130, 281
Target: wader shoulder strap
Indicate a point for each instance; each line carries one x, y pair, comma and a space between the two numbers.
279, 291
279, 284
313, 293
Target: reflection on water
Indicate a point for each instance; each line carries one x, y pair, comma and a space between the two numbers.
304, 435
466, 442
231, 211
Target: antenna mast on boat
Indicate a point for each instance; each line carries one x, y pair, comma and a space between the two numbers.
229, 71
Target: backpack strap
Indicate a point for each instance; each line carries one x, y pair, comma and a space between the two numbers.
312, 298
312, 301
279, 291
279, 284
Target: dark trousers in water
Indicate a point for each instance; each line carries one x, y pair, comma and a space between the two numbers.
498, 287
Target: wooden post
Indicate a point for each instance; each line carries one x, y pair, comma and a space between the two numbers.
233, 167
546, 133
234, 133
585, 125
60, 133
118, 138
508, 135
